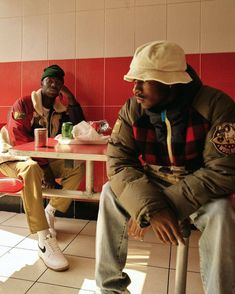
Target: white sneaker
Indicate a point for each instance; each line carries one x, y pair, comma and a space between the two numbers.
51, 222
51, 254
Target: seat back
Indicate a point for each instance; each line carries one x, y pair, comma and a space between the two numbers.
10, 185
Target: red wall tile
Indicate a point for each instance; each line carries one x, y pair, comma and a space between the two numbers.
31, 75
116, 89
4, 114
194, 61
111, 114
93, 113
10, 82
90, 81
218, 70
100, 176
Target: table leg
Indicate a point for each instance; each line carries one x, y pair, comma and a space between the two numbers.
89, 177
181, 267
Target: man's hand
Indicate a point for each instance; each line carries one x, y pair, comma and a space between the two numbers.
48, 178
71, 99
134, 230
165, 226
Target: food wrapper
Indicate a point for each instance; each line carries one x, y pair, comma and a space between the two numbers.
5, 155
84, 133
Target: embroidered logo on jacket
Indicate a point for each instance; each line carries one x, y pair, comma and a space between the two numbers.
224, 138
19, 115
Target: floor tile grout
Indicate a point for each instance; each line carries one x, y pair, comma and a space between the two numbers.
86, 233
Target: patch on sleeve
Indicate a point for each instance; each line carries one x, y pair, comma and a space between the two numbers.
117, 126
19, 115
224, 138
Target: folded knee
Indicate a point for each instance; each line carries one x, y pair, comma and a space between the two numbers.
32, 169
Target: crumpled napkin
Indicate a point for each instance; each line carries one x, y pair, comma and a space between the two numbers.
5, 155
84, 131
4, 147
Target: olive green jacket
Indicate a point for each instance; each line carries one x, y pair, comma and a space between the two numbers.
139, 194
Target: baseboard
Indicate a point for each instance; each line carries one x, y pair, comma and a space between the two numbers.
77, 209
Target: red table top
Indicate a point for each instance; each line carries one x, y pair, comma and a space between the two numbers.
56, 150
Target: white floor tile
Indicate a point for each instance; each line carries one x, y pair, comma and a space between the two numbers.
83, 246
5, 215
193, 286
80, 274
22, 264
13, 286
11, 236
19, 220
90, 229
65, 239
40, 288
194, 238
4, 249
143, 253
68, 225
30, 243
147, 280
147, 262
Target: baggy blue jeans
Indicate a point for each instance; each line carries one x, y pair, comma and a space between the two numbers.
216, 221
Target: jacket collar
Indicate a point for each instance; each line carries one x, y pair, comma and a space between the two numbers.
36, 97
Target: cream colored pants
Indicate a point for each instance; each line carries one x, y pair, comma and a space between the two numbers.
31, 194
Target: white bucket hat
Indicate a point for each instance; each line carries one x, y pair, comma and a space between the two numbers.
160, 61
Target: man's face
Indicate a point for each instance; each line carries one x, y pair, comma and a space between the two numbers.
151, 93
51, 86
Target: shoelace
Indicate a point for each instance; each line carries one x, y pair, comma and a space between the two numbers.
52, 245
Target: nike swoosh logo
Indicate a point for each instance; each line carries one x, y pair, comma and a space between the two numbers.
42, 249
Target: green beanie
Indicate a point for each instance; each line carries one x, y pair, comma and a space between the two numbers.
53, 71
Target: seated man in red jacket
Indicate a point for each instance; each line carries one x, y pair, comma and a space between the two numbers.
43, 109
171, 156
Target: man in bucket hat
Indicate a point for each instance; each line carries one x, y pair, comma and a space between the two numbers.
171, 157
43, 109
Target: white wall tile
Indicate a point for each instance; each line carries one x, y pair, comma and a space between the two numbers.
90, 34
62, 6
35, 7
89, 4
119, 3
35, 34
183, 25
218, 26
150, 24
119, 32
149, 2
10, 39
182, 1
61, 36
10, 8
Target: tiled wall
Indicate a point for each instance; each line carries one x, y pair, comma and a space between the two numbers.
93, 40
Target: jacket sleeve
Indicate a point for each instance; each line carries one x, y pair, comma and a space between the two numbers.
138, 195
75, 113
19, 126
217, 178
